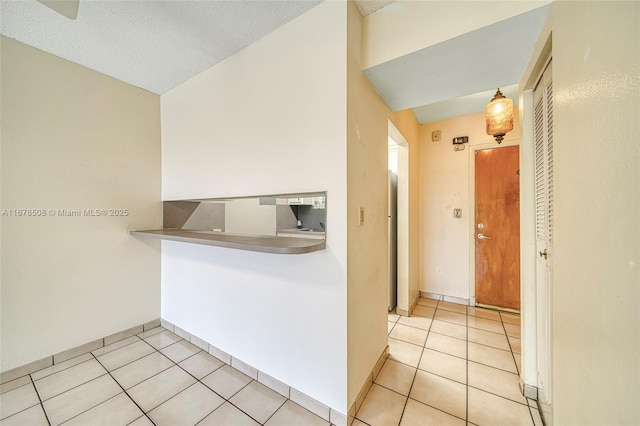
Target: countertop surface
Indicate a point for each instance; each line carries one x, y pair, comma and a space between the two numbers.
302, 231
259, 243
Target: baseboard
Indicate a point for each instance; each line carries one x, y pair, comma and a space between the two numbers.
413, 304
324, 411
402, 312
528, 391
32, 367
367, 385
452, 299
498, 308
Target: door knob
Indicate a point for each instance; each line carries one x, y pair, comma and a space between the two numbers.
484, 237
544, 254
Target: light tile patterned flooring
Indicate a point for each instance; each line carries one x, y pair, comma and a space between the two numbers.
450, 364
155, 377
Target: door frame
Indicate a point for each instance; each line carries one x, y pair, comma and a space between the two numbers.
404, 303
540, 58
472, 211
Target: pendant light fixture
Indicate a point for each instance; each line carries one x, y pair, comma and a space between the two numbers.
499, 115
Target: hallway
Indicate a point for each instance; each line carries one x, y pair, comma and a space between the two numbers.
450, 364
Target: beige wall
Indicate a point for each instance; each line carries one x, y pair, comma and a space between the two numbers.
367, 268
74, 139
445, 184
409, 127
596, 257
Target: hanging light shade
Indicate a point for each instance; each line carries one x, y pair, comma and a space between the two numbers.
499, 114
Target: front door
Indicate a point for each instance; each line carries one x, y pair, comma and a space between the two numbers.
497, 228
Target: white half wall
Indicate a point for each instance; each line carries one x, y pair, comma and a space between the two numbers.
270, 119
75, 139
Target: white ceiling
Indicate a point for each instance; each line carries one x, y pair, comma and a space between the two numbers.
463, 105
158, 44
478, 61
155, 45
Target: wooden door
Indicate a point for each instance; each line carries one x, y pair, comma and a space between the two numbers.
497, 230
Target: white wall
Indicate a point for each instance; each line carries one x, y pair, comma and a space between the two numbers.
75, 139
596, 258
268, 120
445, 184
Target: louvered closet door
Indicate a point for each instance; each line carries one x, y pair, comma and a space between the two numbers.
543, 133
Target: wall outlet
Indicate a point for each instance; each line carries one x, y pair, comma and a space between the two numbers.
457, 213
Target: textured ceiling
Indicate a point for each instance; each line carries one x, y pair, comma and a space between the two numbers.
155, 45
478, 61
367, 7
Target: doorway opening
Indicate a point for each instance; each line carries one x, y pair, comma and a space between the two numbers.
400, 158
392, 226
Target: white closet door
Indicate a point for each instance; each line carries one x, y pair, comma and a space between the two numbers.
543, 132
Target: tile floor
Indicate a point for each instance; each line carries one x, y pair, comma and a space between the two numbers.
450, 364
156, 378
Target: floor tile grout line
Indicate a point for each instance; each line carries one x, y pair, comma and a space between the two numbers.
436, 408
494, 367
90, 408
75, 387
417, 400
194, 377
127, 393
3, 419
467, 359
158, 350
467, 364
162, 329
273, 414
131, 362
59, 371
118, 348
510, 347
46, 416
415, 374
143, 357
412, 326
499, 396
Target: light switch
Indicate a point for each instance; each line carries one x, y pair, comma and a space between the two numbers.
436, 135
457, 213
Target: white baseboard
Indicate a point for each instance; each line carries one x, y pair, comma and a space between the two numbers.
318, 408
452, 299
